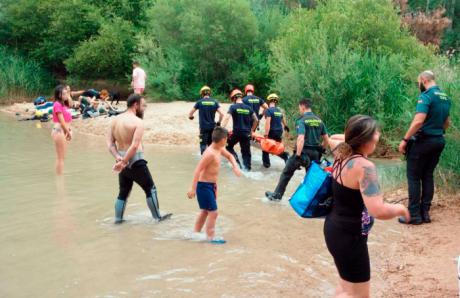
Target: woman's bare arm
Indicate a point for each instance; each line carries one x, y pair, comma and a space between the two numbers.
372, 194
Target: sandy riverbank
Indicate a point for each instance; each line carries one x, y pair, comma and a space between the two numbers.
421, 263
165, 123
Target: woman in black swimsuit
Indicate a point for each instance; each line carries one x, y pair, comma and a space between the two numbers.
357, 201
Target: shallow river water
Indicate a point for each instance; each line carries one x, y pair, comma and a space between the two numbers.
58, 240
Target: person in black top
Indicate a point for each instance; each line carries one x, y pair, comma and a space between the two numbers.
310, 129
207, 107
357, 199
275, 123
254, 102
244, 124
426, 139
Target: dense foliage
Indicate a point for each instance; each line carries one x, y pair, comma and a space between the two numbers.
21, 77
349, 56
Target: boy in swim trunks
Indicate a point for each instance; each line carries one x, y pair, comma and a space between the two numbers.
204, 184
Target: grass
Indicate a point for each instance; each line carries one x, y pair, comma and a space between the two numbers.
21, 77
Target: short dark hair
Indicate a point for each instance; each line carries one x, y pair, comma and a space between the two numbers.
218, 134
132, 99
136, 63
306, 102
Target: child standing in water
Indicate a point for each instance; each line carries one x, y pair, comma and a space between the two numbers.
204, 184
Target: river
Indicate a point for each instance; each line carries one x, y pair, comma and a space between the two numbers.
58, 239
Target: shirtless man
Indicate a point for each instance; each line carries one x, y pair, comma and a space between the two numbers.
204, 184
124, 143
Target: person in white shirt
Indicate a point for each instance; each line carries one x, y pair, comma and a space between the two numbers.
139, 77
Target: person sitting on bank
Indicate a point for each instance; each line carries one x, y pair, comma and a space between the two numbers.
310, 129
104, 104
207, 108
75, 104
92, 110
275, 123
423, 144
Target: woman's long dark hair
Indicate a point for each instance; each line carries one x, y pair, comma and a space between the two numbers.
360, 130
58, 95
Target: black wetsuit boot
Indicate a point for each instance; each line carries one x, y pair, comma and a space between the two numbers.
154, 206
120, 206
139, 173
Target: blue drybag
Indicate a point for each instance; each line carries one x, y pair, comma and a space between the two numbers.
313, 197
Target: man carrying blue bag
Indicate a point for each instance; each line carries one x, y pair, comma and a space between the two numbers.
310, 130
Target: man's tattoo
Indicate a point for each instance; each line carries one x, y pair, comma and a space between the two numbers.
370, 184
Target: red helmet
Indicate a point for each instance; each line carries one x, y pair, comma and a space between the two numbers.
248, 88
235, 93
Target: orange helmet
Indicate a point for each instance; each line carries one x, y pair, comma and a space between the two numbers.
248, 88
235, 93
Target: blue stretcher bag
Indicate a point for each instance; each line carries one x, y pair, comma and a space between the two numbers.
313, 197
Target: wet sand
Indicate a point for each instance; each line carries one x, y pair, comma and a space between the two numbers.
407, 261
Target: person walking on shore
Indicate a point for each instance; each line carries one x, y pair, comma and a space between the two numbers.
423, 144
139, 77
357, 199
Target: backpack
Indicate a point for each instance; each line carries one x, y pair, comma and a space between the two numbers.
39, 100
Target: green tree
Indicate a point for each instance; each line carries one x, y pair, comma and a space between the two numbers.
72, 22
24, 22
351, 57
106, 55
212, 37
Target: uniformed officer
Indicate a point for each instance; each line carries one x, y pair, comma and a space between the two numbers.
423, 144
310, 130
207, 107
244, 124
254, 102
275, 123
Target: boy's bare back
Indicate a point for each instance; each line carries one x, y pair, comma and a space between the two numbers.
211, 165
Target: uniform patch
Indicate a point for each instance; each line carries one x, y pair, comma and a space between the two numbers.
242, 111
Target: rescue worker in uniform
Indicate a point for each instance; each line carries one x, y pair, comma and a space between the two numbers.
310, 130
275, 123
207, 108
244, 124
254, 102
423, 144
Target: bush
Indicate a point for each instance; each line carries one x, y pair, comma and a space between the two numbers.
211, 37
164, 71
47, 31
351, 57
72, 22
448, 78
107, 55
21, 77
